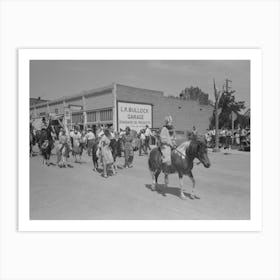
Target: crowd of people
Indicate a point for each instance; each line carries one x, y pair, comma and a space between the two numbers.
228, 138
103, 145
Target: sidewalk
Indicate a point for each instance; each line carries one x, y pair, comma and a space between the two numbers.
229, 152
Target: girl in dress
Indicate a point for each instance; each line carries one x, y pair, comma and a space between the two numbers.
106, 154
76, 145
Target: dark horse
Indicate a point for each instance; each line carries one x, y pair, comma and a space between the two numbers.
181, 163
31, 143
45, 144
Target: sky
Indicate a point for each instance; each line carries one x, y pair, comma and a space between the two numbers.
50, 79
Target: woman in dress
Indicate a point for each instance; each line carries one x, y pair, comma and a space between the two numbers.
76, 145
128, 148
62, 149
106, 154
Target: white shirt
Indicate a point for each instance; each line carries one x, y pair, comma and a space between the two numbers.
147, 132
90, 135
142, 136
101, 133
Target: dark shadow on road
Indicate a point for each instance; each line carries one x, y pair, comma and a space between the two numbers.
34, 154
163, 190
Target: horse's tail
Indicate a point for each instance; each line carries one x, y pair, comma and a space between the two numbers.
154, 160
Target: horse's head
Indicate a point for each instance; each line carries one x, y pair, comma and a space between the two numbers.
198, 149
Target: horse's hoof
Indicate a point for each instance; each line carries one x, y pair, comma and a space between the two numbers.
182, 196
153, 188
196, 196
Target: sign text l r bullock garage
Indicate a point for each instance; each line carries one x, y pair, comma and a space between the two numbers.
136, 116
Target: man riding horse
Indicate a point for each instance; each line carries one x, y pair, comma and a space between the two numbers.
168, 158
167, 142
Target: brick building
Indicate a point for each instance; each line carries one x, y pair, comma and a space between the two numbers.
34, 101
122, 105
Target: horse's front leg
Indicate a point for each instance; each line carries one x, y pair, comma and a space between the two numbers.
193, 194
182, 195
153, 186
166, 180
155, 179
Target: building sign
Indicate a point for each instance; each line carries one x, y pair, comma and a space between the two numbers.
136, 116
76, 107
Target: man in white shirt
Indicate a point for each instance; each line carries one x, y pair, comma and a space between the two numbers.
90, 137
148, 134
142, 139
112, 132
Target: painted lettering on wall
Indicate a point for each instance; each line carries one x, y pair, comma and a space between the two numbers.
136, 116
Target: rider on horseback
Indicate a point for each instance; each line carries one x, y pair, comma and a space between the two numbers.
167, 140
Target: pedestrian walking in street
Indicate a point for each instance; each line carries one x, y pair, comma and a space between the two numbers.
113, 146
76, 149
148, 134
142, 139
106, 154
128, 148
90, 137
62, 149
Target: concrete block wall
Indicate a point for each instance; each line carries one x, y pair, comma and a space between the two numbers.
185, 114
99, 101
93, 102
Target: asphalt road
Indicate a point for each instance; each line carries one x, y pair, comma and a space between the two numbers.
79, 193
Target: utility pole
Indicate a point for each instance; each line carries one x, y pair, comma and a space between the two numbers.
228, 90
216, 94
227, 85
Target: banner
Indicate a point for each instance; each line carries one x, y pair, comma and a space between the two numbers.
67, 116
136, 116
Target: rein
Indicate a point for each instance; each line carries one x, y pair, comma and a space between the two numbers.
197, 163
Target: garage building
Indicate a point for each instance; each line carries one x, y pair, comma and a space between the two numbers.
121, 106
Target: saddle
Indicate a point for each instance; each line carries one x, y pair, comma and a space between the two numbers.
45, 144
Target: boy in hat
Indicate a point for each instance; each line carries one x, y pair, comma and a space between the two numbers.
167, 140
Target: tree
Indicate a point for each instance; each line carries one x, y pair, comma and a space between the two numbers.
194, 93
227, 105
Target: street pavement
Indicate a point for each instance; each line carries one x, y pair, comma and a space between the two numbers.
79, 193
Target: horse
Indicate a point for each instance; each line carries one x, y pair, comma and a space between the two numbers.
46, 144
31, 143
182, 159
115, 147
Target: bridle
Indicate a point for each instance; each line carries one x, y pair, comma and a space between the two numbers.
184, 156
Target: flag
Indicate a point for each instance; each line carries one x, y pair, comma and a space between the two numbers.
233, 116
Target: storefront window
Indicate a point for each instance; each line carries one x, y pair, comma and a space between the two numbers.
106, 115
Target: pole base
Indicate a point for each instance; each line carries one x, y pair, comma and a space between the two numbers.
216, 150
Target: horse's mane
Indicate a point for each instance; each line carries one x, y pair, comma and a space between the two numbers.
187, 147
